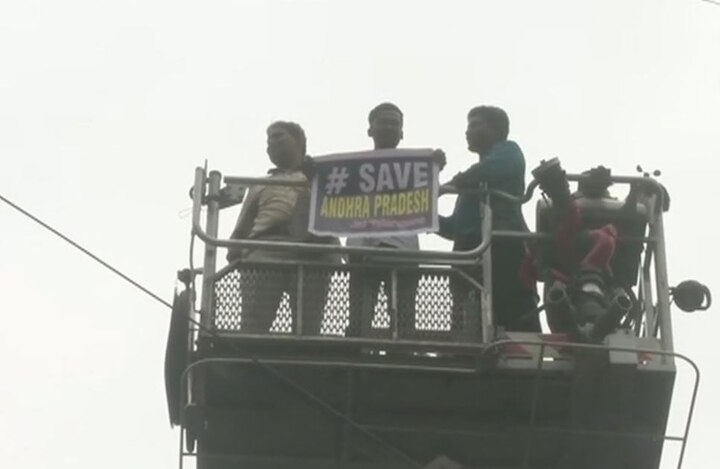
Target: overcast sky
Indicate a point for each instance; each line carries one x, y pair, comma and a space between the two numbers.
107, 107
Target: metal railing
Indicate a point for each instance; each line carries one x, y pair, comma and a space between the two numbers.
653, 319
220, 320
207, 191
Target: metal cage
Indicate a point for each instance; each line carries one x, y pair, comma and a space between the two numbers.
284, 344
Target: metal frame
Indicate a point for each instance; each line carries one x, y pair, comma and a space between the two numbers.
654, 318
393, 270
456, 258
604, 348
482, 352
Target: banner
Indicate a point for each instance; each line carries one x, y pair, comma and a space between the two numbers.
374, 193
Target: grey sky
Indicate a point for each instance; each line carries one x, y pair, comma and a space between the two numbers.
106, 108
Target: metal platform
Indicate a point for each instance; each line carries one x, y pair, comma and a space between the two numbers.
308, 405
427, 380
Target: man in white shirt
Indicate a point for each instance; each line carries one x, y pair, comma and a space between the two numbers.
386, 130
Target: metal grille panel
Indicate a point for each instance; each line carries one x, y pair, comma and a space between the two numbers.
262, 299
434, 303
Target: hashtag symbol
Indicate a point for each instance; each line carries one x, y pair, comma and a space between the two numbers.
336, 180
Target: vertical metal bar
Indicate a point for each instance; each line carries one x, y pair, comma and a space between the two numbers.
350, 412
191, 346
533, 409
394, 315
181, 458
209, 265
645, 306
299, 297
486, 316
647, 294
690, 415
663, 288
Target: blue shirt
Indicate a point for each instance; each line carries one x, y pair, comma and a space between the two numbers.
503, 168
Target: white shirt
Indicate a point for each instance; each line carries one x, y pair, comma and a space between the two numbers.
400, 242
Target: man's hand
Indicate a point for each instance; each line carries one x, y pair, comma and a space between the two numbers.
233, 254
455, 183
439, 158
308, 168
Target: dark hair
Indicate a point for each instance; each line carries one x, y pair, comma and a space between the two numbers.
295, 131
384, 107
496, 118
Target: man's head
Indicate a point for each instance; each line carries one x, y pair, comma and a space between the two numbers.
386, 125
487, 125
286, 144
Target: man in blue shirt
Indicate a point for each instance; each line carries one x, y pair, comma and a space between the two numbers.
502, 167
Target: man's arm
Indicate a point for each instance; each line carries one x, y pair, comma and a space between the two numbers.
505, 159
247, 215
447, 227
244, 223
